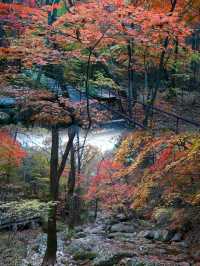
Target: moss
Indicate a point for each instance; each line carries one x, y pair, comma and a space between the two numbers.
163, 215
84, 255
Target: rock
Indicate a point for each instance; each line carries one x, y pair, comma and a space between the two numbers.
83, 245
102, 251
163, 215
159, 235
183, 244
7, 102
148, 234
123, 236
84, 255
123, 227
196, 254
144, 262
111, 259
4, 118
177, 202
80, 235
177, 237
149, 261
98, 230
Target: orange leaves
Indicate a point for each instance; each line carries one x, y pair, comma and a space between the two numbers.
110, 187
21, 11
10, 150
162, 161
174, 167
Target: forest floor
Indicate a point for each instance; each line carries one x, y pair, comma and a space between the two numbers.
107, 242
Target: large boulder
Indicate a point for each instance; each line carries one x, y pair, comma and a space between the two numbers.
123, 227
7, 102
159, 235
4, 118
102, 251
123, 236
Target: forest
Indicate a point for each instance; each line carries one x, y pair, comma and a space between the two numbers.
99, 132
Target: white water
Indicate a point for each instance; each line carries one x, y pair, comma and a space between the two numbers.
102, 139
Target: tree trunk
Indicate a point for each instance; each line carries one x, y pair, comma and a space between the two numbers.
50, 254
132, 95
71, 187
87, 88
96, 209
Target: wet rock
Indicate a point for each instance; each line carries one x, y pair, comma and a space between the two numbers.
102, 251
83, 245
183, 244
163, 235
7, 102
177, 237
196, 254
110, 260
123, 227
148, 234
98, 229
141, 262
4, 118
159, 235
80, 235
123, 236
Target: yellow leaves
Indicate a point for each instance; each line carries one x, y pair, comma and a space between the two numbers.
196, 199
174, 168
130, 143
142, 195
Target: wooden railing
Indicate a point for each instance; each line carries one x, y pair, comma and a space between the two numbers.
132, 120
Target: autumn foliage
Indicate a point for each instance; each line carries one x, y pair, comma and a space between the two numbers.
110, 188
11, 152
149, 170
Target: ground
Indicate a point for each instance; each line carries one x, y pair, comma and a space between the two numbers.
107, 242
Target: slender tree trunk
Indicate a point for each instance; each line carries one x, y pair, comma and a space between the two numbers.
96, 209
132, 94
174, 71
50, 255
71, 187
87, 88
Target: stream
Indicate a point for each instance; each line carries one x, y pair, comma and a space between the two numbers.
104, 139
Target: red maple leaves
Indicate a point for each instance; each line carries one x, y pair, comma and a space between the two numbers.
10, 150
110, 187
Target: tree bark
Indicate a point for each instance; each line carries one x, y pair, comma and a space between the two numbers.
132, 94
50, 254
55, 174
71, 187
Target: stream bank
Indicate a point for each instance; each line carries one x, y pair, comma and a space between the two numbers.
116, 241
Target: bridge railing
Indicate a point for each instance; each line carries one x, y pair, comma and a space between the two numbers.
177, 120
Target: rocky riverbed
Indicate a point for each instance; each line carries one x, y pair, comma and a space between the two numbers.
110, 242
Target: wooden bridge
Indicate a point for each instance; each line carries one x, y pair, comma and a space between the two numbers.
115, 103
